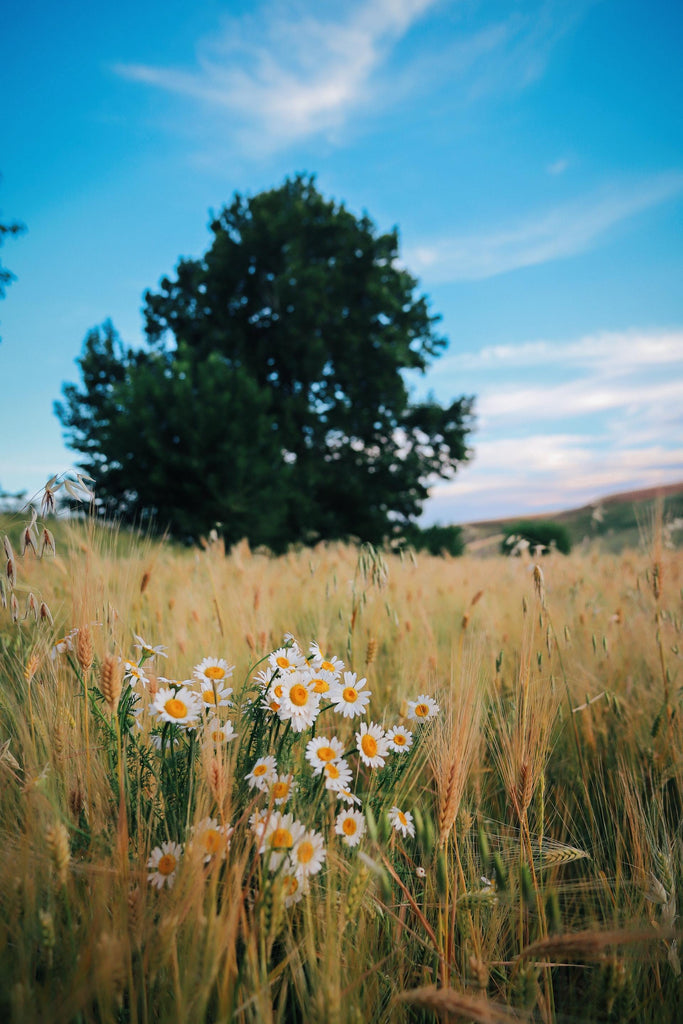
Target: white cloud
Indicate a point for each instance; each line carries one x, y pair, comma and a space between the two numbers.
286, 73
555, 234
558, 166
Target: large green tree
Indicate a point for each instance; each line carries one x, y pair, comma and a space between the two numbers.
272, 394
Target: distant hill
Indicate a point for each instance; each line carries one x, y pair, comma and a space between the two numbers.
613, 523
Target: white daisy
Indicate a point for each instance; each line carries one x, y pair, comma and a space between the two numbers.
263, 774
351, 826
179, 706
348, 797
287, 659
213, 670
282, 788
66, 643
294, 888
350, 698
308, 854
212, 839
156, 738
134, 672
402, 821
219, 732
321, 751
321, 680
337, 775
299, 704
263, 677
281, 835
373, 746
146, 650
422, 709
320, 662
163, 864
214, 695
400, 739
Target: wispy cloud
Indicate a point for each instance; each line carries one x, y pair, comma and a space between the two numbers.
564, 231
287, 73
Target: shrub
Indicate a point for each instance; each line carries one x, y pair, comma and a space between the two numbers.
539, 537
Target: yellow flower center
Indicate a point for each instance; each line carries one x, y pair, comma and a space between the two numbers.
290, 885
209, 697
327, 666
320, 686
167, 864
368, 745
260, 769
218, 736
349, 694
277, 690
175, 708
304, 852
282, 839
402, 818
422, 710
280, 789
213, 840
349, 826
282, 662
399, 739
299, 695
274, 706
326, 753
214, 672
332, 771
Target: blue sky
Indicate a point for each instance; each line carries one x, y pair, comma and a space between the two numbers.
529, 152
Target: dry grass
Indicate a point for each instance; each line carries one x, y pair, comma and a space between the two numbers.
547, 795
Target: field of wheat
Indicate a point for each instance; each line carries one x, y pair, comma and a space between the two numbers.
341, 785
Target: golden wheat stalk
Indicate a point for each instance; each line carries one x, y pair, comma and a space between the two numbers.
591, 942
457, 1004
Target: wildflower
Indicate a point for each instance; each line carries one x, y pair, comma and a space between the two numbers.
420, 872
422, 709
402, 821
146, 650
212, 670
163, 864
319, 663
282, 832
308, 854
321, 680
294, 888
64, 644
348, 797
263, 774
211, 838
400, 739
215, 695
133, 672
321, 751
348, 699
282, 788
337, 775
273, 698
372, 745
219, 733
299, 704
351, 826
179, 706
264, 677
287, 659
156, 739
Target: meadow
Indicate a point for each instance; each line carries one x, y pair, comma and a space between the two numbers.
477, 817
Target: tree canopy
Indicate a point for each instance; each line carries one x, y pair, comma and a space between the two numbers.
271, 397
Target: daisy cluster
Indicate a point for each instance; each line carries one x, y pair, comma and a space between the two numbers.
290, 692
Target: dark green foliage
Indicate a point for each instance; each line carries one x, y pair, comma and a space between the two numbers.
271, 398
437, 540
542, 536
